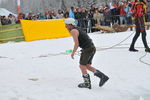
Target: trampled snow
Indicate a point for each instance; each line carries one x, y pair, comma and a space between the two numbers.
42, 70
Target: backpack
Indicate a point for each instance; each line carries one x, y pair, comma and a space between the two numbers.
139, 9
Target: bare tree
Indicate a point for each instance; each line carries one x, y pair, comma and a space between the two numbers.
43, 5
63, 6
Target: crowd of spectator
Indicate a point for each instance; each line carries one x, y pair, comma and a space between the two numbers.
10, 19
116, 12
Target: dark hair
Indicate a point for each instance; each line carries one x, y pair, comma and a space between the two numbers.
130, 5
72, 8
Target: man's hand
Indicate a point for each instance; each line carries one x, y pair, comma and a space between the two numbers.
75, 34
72, 55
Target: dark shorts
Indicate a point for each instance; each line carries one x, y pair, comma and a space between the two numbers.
87, 55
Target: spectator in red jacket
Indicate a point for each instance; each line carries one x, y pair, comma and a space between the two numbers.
122, 13
139, 13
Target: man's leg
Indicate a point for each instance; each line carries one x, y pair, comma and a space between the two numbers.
147, 49
102, 76
86, 78
137, 34
143, 31
83, 69
144, 39
121, 20
90, 68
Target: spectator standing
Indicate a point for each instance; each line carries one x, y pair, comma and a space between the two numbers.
139, 13
5, 20
116, 13
112, 10
122, 13
71, 13
148, 10
97, 17
66, 13
128, 13
60, 14
12, 19
107, 16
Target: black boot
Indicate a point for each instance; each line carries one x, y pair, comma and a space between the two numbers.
133, 50
103, 77
147, 50
86, 83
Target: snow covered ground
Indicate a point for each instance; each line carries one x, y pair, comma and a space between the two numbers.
41, 70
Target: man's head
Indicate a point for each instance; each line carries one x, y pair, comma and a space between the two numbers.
70, 23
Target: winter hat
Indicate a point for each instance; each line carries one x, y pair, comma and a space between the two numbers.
70, 21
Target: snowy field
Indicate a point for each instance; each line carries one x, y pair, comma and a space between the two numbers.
41, 70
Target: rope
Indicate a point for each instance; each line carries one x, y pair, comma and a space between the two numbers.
56, 54
47, 55
3, 57
102, 49
6, 57
114, 46
140, 59
121, 47
52, 54
79, 52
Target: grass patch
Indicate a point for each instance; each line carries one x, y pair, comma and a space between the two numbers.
11, 26
9, 34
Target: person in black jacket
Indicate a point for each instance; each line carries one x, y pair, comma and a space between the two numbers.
82, 40
139, 13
